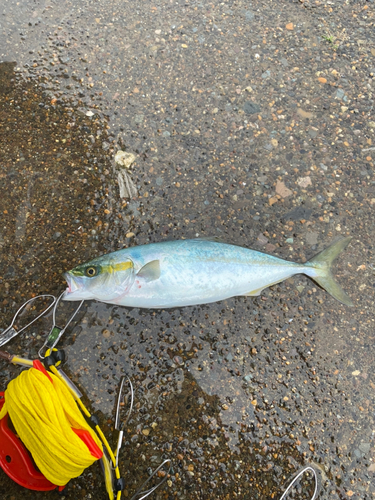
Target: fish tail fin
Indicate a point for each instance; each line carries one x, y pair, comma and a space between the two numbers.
322, 264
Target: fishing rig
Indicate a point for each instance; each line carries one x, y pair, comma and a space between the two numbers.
56, 436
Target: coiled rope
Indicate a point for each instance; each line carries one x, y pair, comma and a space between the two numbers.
48, 421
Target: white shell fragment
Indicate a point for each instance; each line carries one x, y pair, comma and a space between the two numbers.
126, 185
124, 159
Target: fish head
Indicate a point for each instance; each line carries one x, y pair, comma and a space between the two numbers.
103, 279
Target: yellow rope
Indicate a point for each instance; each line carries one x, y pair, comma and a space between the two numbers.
108, 448
106, 463
43, 414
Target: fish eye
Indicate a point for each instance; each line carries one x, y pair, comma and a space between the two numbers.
91, 272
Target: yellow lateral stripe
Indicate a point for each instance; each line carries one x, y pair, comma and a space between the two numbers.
120, 266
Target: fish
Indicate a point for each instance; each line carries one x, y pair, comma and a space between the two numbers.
191, 272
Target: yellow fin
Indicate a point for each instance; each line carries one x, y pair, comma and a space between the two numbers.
322, 264
258, 291
254, 293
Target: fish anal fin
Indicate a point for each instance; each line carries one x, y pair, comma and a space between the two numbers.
150, 271
258, 291
254, 293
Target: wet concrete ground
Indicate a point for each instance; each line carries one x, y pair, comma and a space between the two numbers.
251, 122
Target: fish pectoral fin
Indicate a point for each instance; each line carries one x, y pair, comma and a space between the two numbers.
150, 271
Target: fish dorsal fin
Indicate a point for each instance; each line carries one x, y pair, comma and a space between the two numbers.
215, 239
150, 271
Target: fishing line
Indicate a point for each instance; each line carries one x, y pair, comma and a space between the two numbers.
308, 468
43, 406
141, 495
120, 427
45, 412
10, 332
47, 420
44, 409
56, 332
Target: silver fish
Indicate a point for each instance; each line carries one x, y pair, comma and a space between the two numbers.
190, 272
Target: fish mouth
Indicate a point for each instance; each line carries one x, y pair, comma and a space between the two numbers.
72, 284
